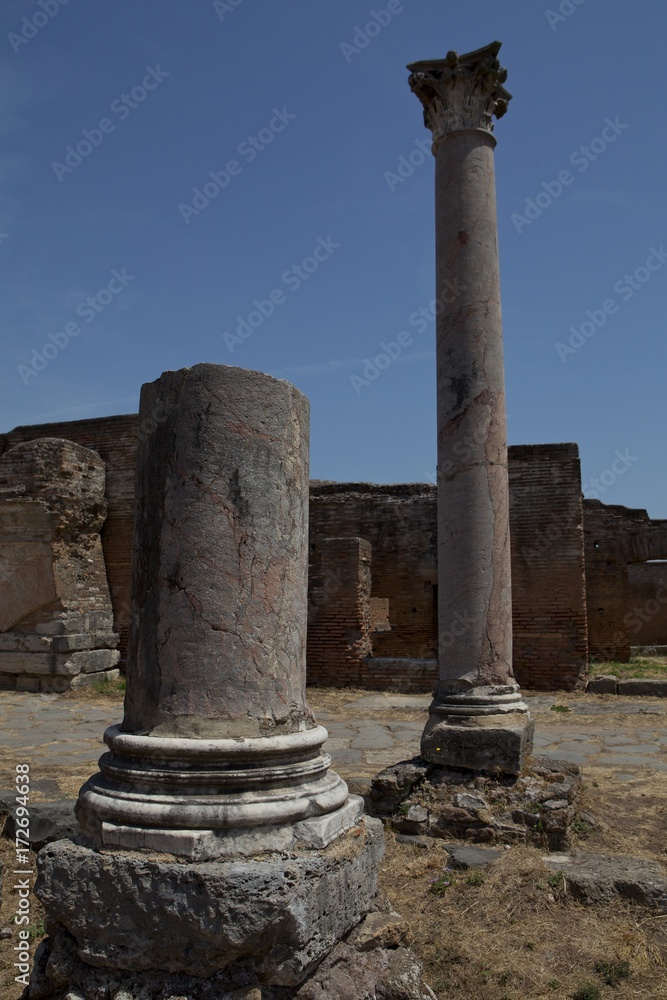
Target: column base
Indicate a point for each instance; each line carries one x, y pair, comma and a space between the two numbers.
489, 744
211, 845
209, 799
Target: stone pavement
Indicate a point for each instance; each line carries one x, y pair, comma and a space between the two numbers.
627, 736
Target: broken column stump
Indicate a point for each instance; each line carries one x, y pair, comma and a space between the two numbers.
221, 853
56, 620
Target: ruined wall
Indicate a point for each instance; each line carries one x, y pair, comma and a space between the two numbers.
548, 573
56, 622
339, 615
115, 440
646, 610
616, 537
399, 523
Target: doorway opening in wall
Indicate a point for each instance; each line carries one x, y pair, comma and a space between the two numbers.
646, 613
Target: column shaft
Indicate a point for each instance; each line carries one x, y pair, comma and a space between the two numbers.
474, 589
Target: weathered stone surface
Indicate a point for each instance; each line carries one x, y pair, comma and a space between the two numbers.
346, 974
496, 745
471, 857
602, 684
538, 806
466, 800
220, 571
379, 930
414, 840
49, 821
391, 786
52, 572
89, 680
414, 820
281, 915
640, 686
598, 878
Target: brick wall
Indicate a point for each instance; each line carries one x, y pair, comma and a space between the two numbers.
399, 523
339, 611
548, 573
646, 609
616, 537
115, 440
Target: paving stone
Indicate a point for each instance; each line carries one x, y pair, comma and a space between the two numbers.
625, 739
413, 840
472, 857
601, 878
404, 737
347, 757
382, 702
640, 686
579, 747
372, 739
620, 760
567, 755
604, 684
341, 732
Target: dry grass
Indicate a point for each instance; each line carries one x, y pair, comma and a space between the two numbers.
509, 932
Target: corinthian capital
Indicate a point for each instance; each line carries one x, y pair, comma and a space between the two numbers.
460, 92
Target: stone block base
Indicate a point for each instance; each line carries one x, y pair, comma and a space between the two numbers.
418, 800
57, 663
491, 744
371, 962
275, 918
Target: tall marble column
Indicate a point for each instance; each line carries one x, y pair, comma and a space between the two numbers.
477, 720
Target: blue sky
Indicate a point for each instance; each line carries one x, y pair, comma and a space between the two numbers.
305, 120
